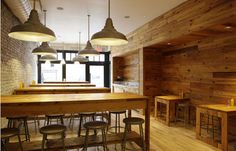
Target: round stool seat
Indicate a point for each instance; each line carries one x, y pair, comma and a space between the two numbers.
9, 132
117, 111
87, 113
133, 120
52, 129
95, 125
17, 117
54, 115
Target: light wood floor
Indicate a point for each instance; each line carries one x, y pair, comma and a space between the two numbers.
163, 138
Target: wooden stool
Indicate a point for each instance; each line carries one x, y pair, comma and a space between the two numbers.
95, 125
7, 133
57, 117
12, 120
52, 130
133, 121
117, 113
82, 117
181, 108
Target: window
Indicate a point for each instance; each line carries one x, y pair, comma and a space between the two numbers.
96, 70
75, 72
97, 75
51, 72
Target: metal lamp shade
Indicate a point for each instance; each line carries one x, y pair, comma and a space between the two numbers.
80, 59
88, 50
48, 58
109, 36
44, 49
32, 30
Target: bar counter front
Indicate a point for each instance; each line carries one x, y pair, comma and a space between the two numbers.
30, 105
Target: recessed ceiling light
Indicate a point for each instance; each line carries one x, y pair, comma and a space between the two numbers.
127, 17
60, 8
228, 27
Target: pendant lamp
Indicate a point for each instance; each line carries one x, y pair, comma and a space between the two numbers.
109, 36
88, 50
79, 59
48, 58
32, 30
44, 48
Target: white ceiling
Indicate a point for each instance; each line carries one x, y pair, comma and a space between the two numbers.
69, 22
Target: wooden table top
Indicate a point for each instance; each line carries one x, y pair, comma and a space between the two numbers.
66, 82
63, 85
57, 98
170, 97
59, 88
219, 107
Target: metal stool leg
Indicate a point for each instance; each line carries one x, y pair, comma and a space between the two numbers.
20, 142
86, 140
43, 142
124, 138
80, 125
104, 140
142, 136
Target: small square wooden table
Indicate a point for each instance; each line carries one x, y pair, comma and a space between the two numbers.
220, 110
169, 101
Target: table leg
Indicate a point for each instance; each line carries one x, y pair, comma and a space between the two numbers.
168, 113
147, 125
129, 115
198, 120
155, 110
224, 131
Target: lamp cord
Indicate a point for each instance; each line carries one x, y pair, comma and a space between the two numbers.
44, 17
79, 40
34, 4
88, 28
109, 7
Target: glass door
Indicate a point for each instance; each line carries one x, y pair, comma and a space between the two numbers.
97, 75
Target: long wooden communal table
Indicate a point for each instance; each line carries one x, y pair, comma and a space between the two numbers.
31, 105
63, 85
60, 90
219, 110
65, 82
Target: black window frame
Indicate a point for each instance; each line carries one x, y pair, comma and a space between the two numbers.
106, 63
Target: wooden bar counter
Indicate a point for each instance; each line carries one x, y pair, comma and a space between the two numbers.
63, 85
61, 90
17, 105
219, 110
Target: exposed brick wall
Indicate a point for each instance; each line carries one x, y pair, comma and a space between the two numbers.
18, 64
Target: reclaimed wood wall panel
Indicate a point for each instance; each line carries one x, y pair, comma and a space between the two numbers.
192, 20
207, 73
117, 67
131, 67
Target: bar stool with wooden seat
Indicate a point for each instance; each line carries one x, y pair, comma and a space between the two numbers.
133, 121
6, 134
53, 130
23, 122
117, 113
50, 117
95, 125
182, 108
83, 117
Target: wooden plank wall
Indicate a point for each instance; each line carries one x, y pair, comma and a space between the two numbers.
131, 67
117, 67
205, 69
186, 19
